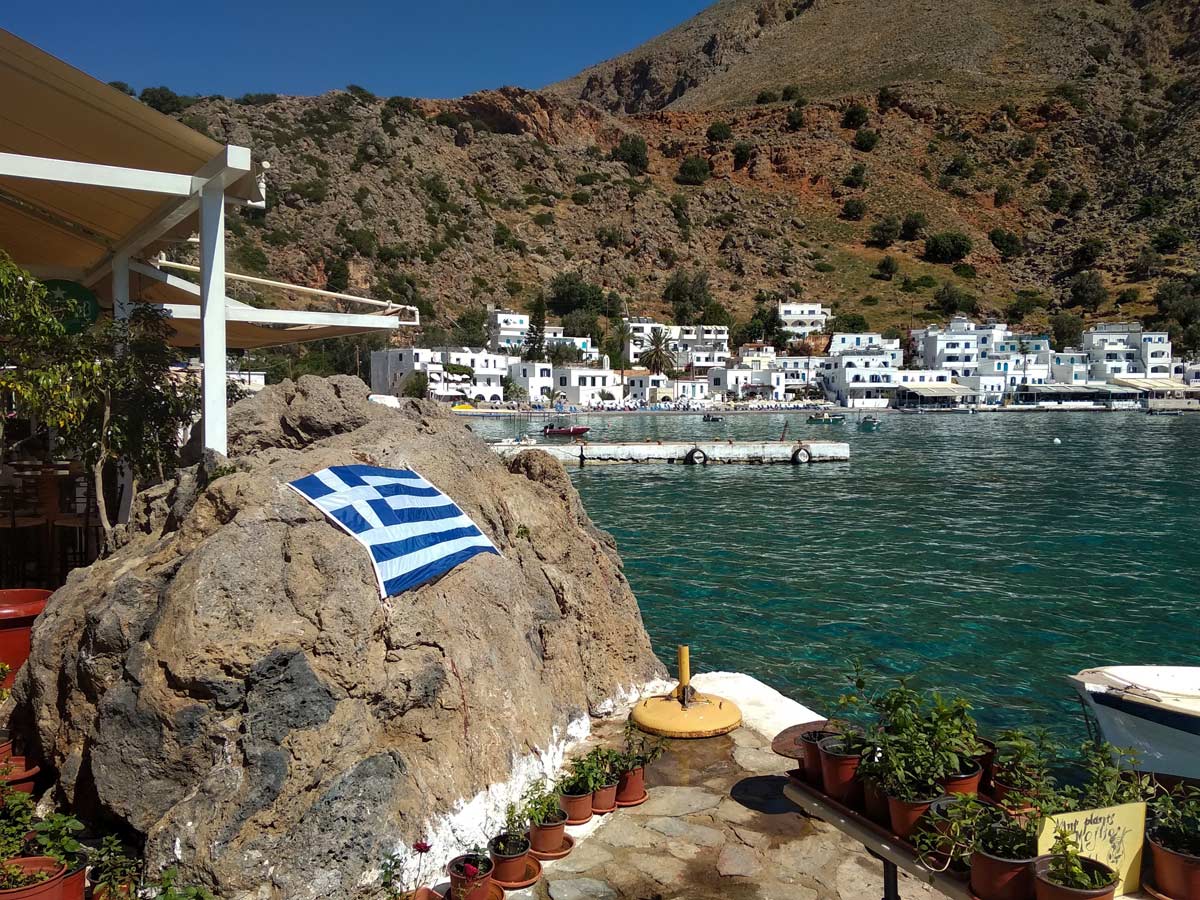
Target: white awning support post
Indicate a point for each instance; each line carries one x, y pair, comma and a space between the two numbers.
212, 316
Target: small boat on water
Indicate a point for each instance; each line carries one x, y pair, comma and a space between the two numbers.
870, 423
1154, 710
709, 417
555, 429
824, 418
1164, 412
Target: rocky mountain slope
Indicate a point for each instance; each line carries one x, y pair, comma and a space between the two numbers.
1058, 135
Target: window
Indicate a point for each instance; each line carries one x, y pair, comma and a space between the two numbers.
562, 380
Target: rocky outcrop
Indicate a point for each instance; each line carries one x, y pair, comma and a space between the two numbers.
228, 685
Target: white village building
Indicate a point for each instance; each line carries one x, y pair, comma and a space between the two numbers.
802, 318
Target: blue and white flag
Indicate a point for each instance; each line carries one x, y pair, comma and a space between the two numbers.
412, 530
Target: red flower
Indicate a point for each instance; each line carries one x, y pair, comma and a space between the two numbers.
469, 870
422, 847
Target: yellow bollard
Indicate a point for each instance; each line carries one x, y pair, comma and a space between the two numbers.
684, 713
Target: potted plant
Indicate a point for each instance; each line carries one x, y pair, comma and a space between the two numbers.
31, 878
841, 756
547, 821
1112, 778
955, 738
872, 772
17, 775
115, 873
16, 821
911, 784
55, 837
946, 834
809, 741
405, 880
575, 790
470, 875
1065, 875
509, 849
1174, 836
1022, 768
640, 751
606, 764
18, 609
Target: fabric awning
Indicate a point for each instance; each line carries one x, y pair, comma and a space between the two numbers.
1160, 385
50, 109
940, 389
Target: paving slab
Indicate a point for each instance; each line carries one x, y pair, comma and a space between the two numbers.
581, 889
683, 830
739, 860
677, 801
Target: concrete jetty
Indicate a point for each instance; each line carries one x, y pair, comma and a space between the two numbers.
688, 452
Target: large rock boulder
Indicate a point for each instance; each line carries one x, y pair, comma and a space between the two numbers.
228, 684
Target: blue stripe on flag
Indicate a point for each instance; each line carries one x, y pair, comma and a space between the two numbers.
403, 490
351, 518
312, 487
432, 570
396, 549
399, 510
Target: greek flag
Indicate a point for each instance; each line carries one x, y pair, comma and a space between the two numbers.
412, 530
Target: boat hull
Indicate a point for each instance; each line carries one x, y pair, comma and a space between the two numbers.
1167, 741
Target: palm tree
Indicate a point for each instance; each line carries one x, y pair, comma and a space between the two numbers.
658, 357
620, 342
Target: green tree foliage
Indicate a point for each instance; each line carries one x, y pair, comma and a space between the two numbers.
914, 225
947, 246
849, 323
854, 209
582, 323
766, 96
535, 338
632, 151
951, 300
123, 87
1087, 289
689, 295
694, 170
764, 324
795, 118
857, 177
715, 313
790, 93
1007, 242
657, 356
337, 274
719, 132
888, 267
1025, 303
1169, 239
741, 154
1004, 193
961, 166
415, 385
1066, 330
855, 116
1178, 302
887, 98
471, 328
865, 139
165, 100
886, 231
568, 291
1087, 254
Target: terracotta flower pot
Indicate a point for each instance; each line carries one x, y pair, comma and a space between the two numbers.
964, 784
1177, 875
464, 887
632, 786
508, 867
578, 807
812, 756
604, 799
1045, 889
875, 803
74, 883
18, 609
993, 878
50, 889
838, 769
22, 775
548, 837
904, 815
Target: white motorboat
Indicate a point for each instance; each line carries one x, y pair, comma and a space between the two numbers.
1154, 710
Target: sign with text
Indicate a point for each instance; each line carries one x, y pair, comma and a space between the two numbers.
1113, 835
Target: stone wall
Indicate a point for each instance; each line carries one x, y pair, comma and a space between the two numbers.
227, 684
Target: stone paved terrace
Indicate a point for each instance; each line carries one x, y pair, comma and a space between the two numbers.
716, 826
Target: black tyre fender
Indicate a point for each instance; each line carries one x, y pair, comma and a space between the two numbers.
696, 456
800, 456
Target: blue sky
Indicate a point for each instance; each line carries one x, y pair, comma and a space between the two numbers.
443, 48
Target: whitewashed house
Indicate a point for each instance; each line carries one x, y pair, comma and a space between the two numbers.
860, 379
537, 378
955, 347
989, 389
585, 385
1068, 366
757, 355
1118, 350
507, 330
802, 318
799, 372
692, 389
643, 386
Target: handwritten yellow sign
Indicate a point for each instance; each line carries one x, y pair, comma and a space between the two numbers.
1113, 835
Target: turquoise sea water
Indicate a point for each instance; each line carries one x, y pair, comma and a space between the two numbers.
968, 551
